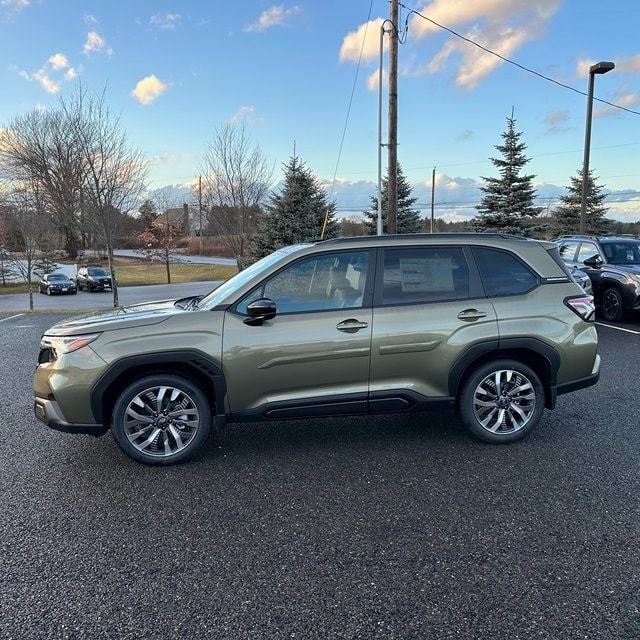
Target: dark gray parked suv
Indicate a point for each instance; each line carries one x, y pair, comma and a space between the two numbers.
93, 279
613, 264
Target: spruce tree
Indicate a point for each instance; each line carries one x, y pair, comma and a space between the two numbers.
296, 213
566, 216
409, 220
507, 205
148, 213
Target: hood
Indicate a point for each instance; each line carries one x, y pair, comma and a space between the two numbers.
134, 315
628, 268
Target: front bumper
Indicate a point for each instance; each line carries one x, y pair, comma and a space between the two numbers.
48, 412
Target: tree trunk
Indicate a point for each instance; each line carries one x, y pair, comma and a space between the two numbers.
114, 282
166, 261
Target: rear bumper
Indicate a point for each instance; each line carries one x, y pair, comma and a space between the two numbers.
581, 383
48, 412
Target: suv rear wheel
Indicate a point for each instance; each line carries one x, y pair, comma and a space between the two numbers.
502, 401
160, 420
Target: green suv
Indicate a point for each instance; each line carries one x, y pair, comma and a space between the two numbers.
490, 325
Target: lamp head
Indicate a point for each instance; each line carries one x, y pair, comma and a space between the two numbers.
602, 67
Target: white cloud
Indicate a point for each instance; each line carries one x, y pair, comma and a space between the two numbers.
558, 120
149, 89
15, 4
59, 61
52, 73
168, 21
276, 16
95, 43
162, 159
502, 27
373, 81
369, 34
244, 114
47, 83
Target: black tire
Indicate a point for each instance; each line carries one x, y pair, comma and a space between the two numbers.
611, 305
149, 419
502, 401
48, 291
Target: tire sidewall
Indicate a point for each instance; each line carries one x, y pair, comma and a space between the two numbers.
190, 388
466, 401
618, 316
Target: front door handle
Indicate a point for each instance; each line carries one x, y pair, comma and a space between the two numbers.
471, 314
351, 325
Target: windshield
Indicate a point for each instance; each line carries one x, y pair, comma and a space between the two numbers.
57, 276
97, 272
622, 252
236, 282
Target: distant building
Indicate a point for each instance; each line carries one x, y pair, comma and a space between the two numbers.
184, 218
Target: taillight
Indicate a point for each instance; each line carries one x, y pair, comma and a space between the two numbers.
583, 306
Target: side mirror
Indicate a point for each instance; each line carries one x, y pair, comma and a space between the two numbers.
595, 262
259, 311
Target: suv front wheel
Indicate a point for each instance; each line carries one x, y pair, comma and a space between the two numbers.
612, 309
502, 401
161, 419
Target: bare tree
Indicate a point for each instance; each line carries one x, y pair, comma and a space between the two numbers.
115, 172
42, 148
34, 230
236, 181
171, 223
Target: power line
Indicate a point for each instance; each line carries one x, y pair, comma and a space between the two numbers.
515, 64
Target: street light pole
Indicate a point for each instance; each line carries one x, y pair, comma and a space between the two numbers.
598, 68
379, 218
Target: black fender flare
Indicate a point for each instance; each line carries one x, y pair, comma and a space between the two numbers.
189, 360
506, 348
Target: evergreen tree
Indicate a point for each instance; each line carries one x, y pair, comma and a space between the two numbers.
566, 216
409, 220
148, 213
508, 200
297, 213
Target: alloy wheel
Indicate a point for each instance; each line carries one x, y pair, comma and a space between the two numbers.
161, 421
504, 401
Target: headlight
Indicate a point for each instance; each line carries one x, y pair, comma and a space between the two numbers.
634, 276
52, 347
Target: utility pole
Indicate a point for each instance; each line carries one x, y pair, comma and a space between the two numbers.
392, 182
433, 195
200, 208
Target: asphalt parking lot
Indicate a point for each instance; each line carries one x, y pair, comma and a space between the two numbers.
395, 527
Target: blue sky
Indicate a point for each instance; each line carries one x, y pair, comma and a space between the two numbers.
304, 75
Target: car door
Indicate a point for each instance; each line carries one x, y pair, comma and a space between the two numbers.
429, 309
313, 357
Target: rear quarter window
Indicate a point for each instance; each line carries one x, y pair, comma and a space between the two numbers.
503, 274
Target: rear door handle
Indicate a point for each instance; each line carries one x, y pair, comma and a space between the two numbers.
471, 314
351, 325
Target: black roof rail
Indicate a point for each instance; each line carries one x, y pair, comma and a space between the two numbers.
388, 237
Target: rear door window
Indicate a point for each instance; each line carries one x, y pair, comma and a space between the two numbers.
423, 274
